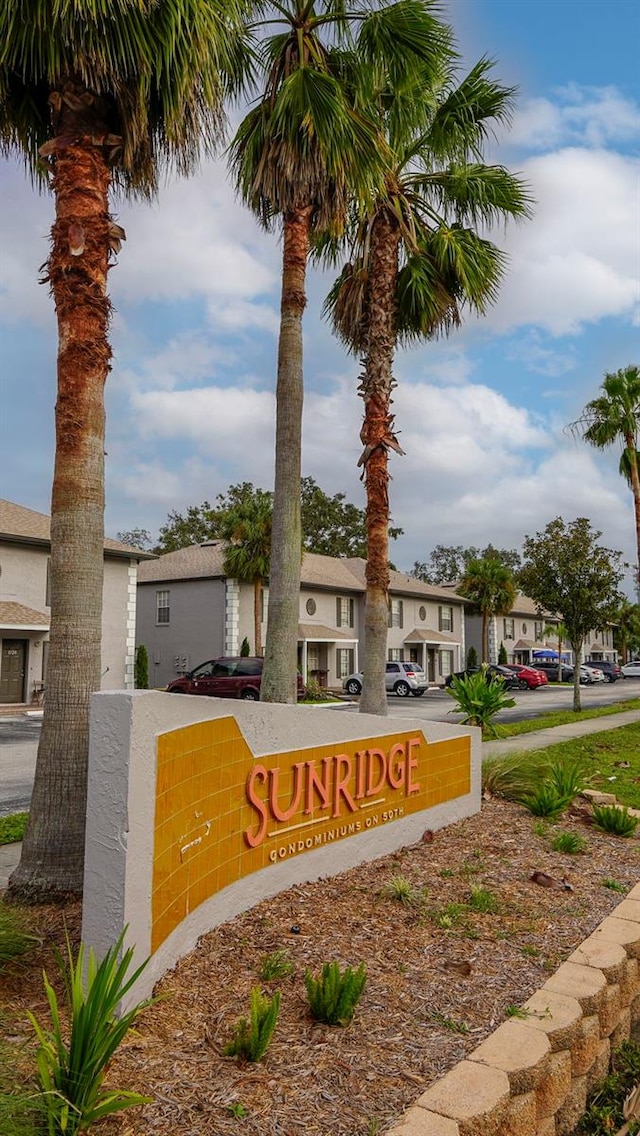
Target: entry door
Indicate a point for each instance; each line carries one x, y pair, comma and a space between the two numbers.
12, 668
431, 664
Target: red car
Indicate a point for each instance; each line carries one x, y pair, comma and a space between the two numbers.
528, 677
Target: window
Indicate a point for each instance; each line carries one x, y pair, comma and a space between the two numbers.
524, 629
310, 607
422, 613
395, 655
396, 608
445, 618
162, 607
446, 663
344, 662
264, 604
538, 632
47, 591
509, 629
344, 611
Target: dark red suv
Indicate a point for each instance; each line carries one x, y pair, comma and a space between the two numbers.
225, 677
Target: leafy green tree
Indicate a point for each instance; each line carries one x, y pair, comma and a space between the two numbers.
447, 563
472, 658
94, 97
491, 587
142, 668
247, 532
203, 522
614, 419
137, 538
503, 658
333, 526
308, 148
566, 571
627, 629
416, 261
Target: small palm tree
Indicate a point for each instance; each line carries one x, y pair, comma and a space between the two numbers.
557, 631
627, 628
416, 260
490, 585
614, 418
247, 528
300, 156
92, 97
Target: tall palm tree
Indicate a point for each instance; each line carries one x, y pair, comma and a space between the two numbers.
301, 154
627, 628
416, 261
94, 97
247, 528
490, 585
614, 418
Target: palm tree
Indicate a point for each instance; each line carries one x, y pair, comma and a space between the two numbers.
614, 417
558, 631
490, 585
93, 96
627, 628
247, 528
416, 261
300, 156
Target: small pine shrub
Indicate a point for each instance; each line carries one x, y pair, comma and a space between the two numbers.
334, 996
15, 937
251, 1038
276, 965
614, 820
245, 649
503, 658
569, 843
545, 801
142, 668
472, 658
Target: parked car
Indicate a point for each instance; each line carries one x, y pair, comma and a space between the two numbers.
400, 678
225, 677
593, 674
631, 670
551, 670
493, 671
528, 677
611, 671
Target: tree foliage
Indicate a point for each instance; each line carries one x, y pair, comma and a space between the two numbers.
566, 571
491, 587
137, 538
448, 563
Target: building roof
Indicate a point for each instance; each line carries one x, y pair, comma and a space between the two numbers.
17, 615
202, 561
425, 635
320, 633
25, 526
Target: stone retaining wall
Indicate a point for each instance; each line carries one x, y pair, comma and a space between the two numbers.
532, 1075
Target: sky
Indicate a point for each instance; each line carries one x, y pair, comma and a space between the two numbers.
481, 415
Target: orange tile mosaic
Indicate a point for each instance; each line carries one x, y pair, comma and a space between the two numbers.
222, 814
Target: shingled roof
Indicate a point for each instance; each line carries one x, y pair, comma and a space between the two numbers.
17, 615
25, 526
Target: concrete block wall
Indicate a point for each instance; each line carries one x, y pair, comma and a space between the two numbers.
532, 1075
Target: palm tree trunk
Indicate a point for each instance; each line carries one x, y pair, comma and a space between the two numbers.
377, 434
485, 636
279, 677
257, 615
52, 860
635, 488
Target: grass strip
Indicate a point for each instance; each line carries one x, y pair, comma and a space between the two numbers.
562, 717
12, 828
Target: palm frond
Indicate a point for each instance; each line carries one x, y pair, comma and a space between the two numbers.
475, 193
470, 114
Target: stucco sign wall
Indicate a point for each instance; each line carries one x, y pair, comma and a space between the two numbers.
198, 808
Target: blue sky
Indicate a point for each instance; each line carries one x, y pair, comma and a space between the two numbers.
190, 401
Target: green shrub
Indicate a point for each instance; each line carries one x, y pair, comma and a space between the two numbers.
251, 1039
503, 658
317, 693
142, 668
546, 801
12, 828
245, 649
402, 890
276, 965
334, 996
604, 1113
478, 700
513, 775
70, 1074
16, 937
615, 820
472, 658
568, 776
568, 842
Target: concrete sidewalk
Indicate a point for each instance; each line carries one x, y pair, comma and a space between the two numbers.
537, 739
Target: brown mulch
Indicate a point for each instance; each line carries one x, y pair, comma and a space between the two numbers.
420, 1012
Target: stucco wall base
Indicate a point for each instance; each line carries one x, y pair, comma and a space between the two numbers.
531, 1076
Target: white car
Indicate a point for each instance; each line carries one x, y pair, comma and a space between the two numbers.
592, 674
631, 670
401, 679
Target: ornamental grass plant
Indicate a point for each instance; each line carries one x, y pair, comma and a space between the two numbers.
334, 996
251, 1038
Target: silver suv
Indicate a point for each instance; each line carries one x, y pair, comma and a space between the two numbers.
401, 679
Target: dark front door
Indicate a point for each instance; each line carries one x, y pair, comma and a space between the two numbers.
12, 668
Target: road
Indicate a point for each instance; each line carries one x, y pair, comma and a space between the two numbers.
19, 736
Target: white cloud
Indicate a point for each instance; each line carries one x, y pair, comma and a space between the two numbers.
584, 116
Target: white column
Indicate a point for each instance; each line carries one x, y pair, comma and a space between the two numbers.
130, 642
231, 617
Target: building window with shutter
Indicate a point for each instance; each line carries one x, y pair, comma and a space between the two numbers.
446, 662
509, 629
538, 632
396, 609
162, 607
445, 618
395, 654
344, 662
344, 611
